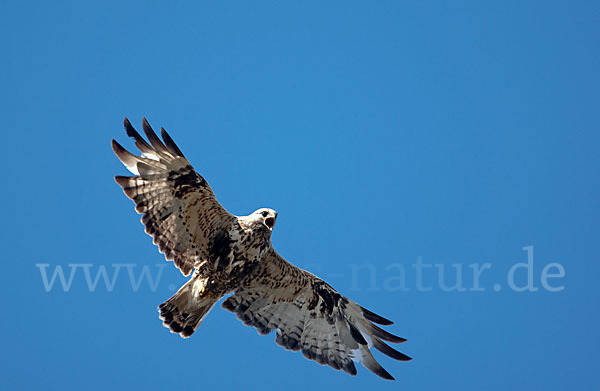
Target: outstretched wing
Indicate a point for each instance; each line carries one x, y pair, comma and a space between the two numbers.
311, 316
179, 208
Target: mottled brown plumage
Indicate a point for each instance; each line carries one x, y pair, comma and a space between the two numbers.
233, 254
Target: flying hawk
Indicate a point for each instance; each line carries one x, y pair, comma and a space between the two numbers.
233, 254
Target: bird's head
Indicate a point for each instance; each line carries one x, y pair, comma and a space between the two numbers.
264, 217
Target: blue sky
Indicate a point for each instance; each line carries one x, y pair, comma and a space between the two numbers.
383, 132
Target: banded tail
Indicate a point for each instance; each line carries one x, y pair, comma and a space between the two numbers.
184, 312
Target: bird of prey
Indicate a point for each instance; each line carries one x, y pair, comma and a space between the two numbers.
233, 255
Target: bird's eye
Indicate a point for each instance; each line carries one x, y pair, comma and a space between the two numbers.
265, 214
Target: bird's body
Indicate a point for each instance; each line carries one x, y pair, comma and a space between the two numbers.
234, 254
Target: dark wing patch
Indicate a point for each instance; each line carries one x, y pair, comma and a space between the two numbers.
309, 315
179, 208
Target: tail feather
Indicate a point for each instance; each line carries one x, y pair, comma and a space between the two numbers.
184, 312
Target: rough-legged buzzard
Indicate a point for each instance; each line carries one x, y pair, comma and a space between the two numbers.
233, 254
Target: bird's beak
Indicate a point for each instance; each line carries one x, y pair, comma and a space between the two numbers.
270, 222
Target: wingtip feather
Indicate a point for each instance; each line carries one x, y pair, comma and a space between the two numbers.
389, 351
115, 145
128, 127
369, 362
373, 317
170, 144
152, 137
126, 157
386, 336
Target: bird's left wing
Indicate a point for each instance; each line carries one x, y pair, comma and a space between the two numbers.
311, 316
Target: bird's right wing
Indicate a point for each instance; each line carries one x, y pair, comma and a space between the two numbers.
179, 208
311, 316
